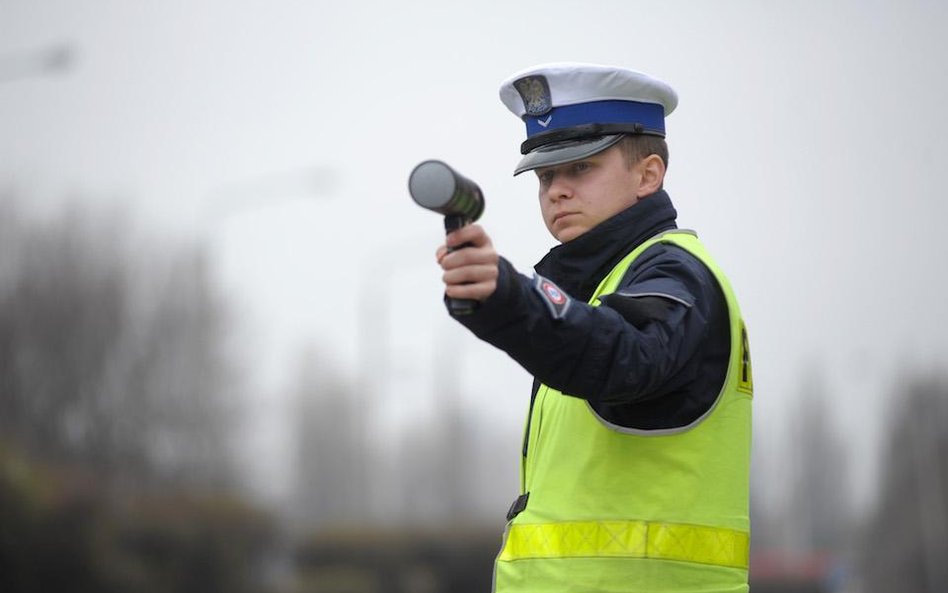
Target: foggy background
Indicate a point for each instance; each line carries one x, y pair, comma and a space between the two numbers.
222, 342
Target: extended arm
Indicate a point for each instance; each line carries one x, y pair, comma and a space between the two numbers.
632, 348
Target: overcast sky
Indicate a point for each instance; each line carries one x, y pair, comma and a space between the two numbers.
807, 150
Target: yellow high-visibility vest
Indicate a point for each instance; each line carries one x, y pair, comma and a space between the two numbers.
617, 510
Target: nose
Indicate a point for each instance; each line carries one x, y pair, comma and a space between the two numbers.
559, 189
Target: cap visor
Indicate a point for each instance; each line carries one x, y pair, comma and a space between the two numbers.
564, 152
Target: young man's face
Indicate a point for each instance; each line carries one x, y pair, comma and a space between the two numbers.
576, 196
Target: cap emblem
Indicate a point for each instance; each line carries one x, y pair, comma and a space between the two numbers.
535, 93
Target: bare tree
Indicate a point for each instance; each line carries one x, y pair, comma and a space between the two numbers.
329, 457
906, 543
111, 350
820, 505
800, 491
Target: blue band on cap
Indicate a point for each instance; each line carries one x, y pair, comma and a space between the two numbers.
650, 115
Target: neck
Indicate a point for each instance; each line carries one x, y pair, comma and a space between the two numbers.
577, 266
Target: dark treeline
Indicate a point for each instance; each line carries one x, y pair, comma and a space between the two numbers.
112, 352
117, 403
904, 545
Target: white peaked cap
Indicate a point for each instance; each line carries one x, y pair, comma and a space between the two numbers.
574, 110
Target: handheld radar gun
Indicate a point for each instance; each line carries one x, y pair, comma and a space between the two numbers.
435, 186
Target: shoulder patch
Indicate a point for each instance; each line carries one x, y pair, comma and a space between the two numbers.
556, 301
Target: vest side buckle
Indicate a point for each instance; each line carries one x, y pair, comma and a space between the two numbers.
518, 506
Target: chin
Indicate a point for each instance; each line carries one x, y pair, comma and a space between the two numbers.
568, 235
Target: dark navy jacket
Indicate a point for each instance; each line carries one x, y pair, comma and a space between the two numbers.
653, 356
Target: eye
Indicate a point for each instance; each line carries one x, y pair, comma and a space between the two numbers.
545, 177
580, 167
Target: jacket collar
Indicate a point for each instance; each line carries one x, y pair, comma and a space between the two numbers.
579, 265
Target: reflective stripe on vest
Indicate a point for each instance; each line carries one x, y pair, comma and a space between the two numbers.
628, 539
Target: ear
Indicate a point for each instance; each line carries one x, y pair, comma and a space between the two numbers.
652, 169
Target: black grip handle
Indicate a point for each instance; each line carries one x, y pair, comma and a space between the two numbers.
453, 222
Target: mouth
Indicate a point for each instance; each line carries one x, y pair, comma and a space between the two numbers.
560, 215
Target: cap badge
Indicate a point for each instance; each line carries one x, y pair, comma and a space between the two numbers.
535, 93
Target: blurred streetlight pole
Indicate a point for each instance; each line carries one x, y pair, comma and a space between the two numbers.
377, 348
248, 197
931, 492
55, 59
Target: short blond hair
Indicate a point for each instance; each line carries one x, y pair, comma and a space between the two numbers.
636, 147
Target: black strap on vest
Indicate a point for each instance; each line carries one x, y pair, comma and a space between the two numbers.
518, 506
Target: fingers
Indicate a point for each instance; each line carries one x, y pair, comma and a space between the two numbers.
468, 236
468, 275
467, 257
472, 233
470, 269
478, 292
471, 282
467, 246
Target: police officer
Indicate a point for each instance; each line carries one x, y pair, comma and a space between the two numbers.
636, 450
